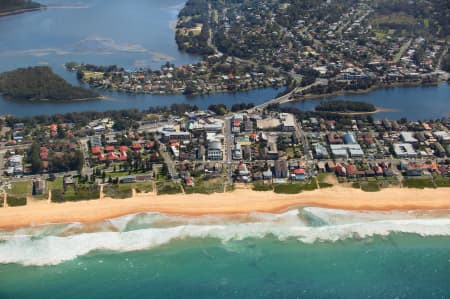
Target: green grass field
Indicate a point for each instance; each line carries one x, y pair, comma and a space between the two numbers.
21, 188
56, 184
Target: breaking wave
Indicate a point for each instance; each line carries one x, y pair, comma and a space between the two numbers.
56, 243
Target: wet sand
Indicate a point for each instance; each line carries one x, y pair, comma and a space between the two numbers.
237, 202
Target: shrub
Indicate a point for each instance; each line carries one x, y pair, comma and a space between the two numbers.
16, 201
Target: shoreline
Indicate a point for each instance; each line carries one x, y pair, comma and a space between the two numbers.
241, 201
20, 11
378, 110
99, 98
310, 96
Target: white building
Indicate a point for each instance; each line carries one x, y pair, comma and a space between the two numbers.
404, 150
408, 137
346, 150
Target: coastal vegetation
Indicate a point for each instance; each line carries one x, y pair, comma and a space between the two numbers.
15, 201
345, 106
295, 188
257, 186
446, 63
40, 83
419, 183
203, 186
7, 6
193, 30
75, 193
65, 160
118, 191
167, 187
370, 186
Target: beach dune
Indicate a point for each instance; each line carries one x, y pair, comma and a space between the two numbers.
240, 201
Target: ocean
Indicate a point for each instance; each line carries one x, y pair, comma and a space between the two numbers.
304, 253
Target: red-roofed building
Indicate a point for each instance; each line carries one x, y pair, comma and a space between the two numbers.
53, 130
351, 170
123, 156
123, 149
112, 157
299, 174
150, 145
378, 170
96, 150
340, 170
44, 155
368, 139
299, 171
174, 143
109, 148
136, 146
189, 181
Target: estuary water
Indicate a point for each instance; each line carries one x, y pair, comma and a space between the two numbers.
305, 253
130, 34
414, 103
139, 33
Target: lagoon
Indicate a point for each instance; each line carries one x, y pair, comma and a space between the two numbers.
138, 33
414, 103
130, 34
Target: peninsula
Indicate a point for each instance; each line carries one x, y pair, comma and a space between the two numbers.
345, 106
10, 7
39, 84
313, 48
328, 47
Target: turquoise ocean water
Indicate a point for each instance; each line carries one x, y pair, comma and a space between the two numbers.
306, 253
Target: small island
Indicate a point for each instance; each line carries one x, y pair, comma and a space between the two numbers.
9, 7
41, 83
345, 107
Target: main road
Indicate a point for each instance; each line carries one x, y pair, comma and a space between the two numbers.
286, 97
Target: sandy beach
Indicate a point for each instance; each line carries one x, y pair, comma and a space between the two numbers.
238, 202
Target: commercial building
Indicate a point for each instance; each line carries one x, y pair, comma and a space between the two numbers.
404, 150
345, 151
215, 150
287, 122
408, 137
349, 138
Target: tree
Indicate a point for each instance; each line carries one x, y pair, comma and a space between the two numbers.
36, 165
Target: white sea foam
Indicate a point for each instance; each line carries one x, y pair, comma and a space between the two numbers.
51, 246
